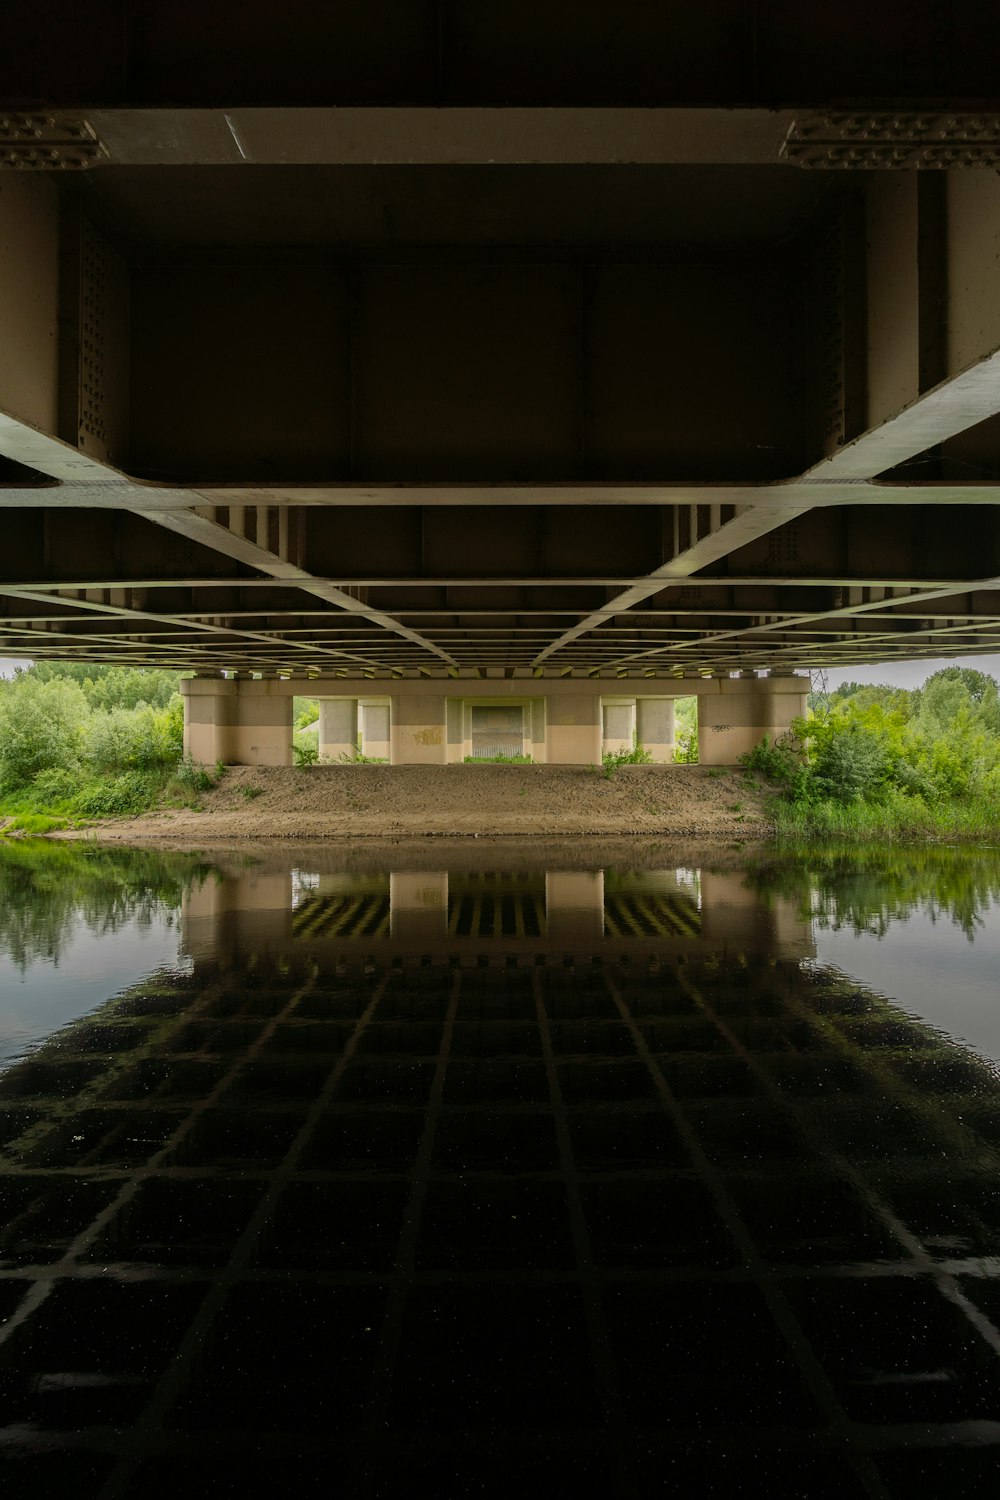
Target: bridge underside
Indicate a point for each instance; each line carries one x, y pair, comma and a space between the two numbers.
437, 338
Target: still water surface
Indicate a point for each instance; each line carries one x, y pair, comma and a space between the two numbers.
456, 1168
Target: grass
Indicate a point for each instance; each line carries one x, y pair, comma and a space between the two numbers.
36, 823
900, 818
498, 760
64, 800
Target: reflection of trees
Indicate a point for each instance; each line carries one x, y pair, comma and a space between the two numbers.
867, 889
48, 891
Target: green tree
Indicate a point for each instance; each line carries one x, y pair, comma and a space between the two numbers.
907, 754
306, 711
132, 739
686, 731
958, 692
42, 725
110, 687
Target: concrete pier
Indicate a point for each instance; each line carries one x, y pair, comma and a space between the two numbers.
445, 720
338, 728
240, 722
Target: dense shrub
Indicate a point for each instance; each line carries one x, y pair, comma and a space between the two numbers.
849, 761
83, 741
193, 777
131, 739
879, 755
637, 756
55, 785
117, 796
41, 728
780, 762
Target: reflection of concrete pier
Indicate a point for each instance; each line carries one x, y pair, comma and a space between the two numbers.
418, 906
735, 919
237, 913
574, 905
492, 913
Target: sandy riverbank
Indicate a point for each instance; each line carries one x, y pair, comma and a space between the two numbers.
368, 801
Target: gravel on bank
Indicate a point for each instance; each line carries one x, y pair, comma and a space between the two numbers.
373, 801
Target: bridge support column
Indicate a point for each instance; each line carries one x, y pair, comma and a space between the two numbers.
338, 728
418, 730
238, 722
736, 717
619, 721
656, 722
575, 729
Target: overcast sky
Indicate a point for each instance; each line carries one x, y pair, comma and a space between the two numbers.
910, 674
898, 673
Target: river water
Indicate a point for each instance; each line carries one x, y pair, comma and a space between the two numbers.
471, 1169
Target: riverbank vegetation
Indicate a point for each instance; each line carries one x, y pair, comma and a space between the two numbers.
867, 764
51, 889
870, 763
868, 887
79, 742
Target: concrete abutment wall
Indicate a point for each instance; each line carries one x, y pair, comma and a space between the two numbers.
427, 721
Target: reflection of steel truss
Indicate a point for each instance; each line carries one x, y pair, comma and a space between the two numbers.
514, 914
238, 1203
341, 916
651, 916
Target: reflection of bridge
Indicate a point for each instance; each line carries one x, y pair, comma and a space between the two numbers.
244, 1203
516, 914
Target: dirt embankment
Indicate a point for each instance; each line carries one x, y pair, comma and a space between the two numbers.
467, 800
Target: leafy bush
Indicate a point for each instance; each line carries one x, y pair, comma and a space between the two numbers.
779, 762
84, 741
118, 796
194, 777
304, 752
637, 756
55, 785
171, 720
129, 739
849, 763
41, 728
880, 760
